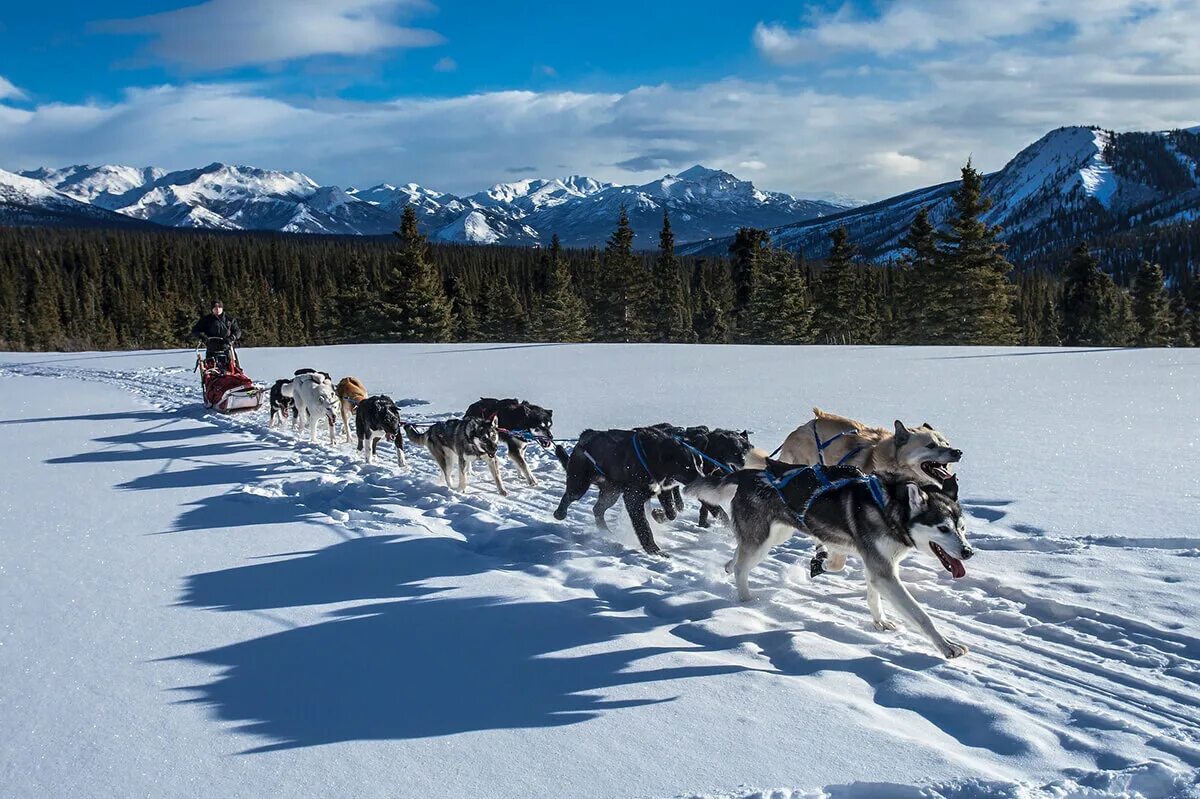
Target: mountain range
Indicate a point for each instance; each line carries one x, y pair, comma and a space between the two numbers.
1074, 184
704, 203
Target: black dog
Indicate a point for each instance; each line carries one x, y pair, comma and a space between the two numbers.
307, 371
375, 418
515, 415
634, 464
281, 402
722, 451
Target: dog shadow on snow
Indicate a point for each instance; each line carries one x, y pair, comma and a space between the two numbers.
420, 662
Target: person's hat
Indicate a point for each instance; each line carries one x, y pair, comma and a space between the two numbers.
216, 303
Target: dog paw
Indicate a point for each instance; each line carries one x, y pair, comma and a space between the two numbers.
560, 514
656, 552
953, 649
816, 566
659, 515
885, 626
729, 566
504, 492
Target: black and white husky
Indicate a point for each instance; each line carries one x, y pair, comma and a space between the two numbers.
879, 518
281, 401
461, 441
375, 418
519, 421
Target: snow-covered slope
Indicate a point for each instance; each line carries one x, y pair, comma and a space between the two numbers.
1072, 184
217, 604
29, 201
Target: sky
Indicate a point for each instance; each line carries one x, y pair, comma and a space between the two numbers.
858, 99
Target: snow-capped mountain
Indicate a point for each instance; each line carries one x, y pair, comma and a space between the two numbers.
1073, 184
582, 210
29, 201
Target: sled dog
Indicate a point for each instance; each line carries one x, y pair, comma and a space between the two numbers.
720, 451
634, 464
846, 514
312, 392
350, 392
281, 402
519, 421
376, 418
461, 441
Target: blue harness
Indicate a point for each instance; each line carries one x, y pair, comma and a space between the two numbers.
725, 467
825, 485
826, 444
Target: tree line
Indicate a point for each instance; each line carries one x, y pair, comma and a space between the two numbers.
66, 289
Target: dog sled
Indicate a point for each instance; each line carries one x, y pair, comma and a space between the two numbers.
226, 387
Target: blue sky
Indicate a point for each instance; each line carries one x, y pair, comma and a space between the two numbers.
865, 99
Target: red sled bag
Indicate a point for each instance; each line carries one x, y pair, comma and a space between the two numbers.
226, 387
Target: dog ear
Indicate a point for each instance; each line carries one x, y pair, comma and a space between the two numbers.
902, 434
917, 501
927, 425
495, 422
950, 487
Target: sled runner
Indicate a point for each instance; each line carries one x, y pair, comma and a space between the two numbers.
226, 387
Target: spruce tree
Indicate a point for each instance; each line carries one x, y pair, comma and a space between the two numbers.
981, 301
1092, 313
839, 298
507, 319
627, 285
746, 253
1181, 328
562, 316
462, 309
780, 311
1150, 308
709, 319
673, 314
414, 306
922, 299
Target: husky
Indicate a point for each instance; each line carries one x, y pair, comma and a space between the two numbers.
280, 401
718, 450
634, 464
519, 422
350, 392
920, 453
463, 441
312, 392
880, 518
376, 418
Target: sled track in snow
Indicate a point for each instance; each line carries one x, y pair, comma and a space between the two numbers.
1081, 674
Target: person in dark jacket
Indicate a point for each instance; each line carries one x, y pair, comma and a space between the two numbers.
217, 325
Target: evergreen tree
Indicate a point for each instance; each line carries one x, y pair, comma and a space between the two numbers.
709, 319
780, 311
507, 320
562, 316
745, 252
1150, 308
1051, 324
414, 306
842, 315
1181, 327
1091, 308
628, 287
981, 301
923, 298
673, 314
462, 310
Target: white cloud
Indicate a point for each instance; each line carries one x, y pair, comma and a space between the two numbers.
812, 140
8, 91
221, 34
445, 64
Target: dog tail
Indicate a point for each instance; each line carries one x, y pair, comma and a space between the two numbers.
560, 452
756, 459
416, 436
717, 489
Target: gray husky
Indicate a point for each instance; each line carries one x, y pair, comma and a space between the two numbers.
880, 518
461, 441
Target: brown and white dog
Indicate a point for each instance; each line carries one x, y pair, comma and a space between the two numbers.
350, 391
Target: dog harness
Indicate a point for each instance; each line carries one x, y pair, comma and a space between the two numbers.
725, 467
529, 435
827, 443
816, 481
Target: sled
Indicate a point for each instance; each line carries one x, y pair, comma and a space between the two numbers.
226, 388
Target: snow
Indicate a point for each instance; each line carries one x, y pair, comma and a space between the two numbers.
195, 605
1099, 180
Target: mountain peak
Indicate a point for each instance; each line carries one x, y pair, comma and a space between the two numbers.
699, 172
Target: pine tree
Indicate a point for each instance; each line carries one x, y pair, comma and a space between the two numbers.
462, 309
1150, 308
922, 302
709, 319
1050, 324
780, 311
1181, 327
628, 287
507, 320
745, 253
981, 301
414, 306
1092, 313
562, 316
840, 300
673, 314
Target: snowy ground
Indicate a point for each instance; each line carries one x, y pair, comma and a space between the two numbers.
194, 606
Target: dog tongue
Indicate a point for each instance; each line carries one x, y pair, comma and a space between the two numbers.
957, 569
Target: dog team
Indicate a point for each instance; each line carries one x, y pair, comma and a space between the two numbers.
854, 489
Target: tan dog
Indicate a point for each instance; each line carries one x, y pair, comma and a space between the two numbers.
920, 454
349, 392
